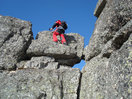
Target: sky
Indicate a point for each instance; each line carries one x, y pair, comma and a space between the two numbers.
43, 13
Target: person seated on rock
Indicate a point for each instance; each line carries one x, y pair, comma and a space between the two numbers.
61, 26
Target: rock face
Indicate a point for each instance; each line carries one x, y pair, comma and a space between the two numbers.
18, 48
41, 68
69, 54
112, 18
40, 84
119, 73
107, 73
109, 78
15, 37
41, 62
37, 69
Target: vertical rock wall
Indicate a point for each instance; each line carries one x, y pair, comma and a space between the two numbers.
15, 37
107, 73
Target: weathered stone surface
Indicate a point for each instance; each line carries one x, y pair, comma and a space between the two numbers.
48, 74
109, 78
117, 41
108, 73
42, 62
119, 73
64, 67
15, 37
40, 84
44, 46
113, 17
99, 7
93, 81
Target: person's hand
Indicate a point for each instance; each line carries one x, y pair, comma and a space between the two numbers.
51, 29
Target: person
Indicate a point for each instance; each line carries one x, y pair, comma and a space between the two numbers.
61, 26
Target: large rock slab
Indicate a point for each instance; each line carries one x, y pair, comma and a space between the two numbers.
109, 78
93, 82
107, 73
118, 40
69, 54
40, 84
15, 37
113, 17
119, 73
39, 63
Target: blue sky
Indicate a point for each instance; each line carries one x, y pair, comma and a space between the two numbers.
43, 13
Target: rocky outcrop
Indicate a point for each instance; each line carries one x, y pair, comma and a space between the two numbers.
19, 50
93, 80
119, 73
15, 37
118, 40
39, 63
69, 54
40, 84
107, 73
40, 68
112, 18
108, 78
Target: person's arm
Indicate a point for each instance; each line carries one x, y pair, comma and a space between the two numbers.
54, 25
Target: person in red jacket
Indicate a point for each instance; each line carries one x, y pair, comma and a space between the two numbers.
61, 26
